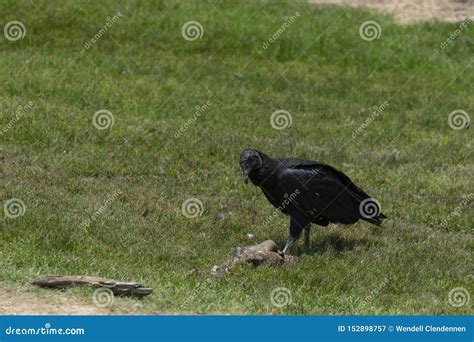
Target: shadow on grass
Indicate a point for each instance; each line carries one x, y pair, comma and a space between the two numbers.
332, 243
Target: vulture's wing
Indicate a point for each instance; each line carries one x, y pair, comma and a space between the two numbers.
323, 190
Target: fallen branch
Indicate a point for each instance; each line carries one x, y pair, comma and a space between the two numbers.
120, 288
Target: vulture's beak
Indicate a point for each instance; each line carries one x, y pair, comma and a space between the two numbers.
246, 176
246, 171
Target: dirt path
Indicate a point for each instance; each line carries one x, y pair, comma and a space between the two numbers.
31, 300
18, 302
409, 11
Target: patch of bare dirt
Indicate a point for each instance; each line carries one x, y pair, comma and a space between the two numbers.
30, 300
14, 302
409, 11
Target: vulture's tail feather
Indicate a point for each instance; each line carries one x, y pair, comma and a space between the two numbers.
377, 220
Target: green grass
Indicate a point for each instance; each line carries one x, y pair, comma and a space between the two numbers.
151, 79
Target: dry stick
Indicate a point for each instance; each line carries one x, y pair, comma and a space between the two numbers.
118, 287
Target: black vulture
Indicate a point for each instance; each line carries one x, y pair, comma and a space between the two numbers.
309, 192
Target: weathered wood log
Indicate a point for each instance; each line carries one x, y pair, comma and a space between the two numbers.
118, 287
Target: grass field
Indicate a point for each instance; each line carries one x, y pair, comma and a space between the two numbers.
184, 109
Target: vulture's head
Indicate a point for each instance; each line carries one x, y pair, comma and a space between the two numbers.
250, 160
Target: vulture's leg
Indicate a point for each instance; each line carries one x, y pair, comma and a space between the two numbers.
306, 237
297, 224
